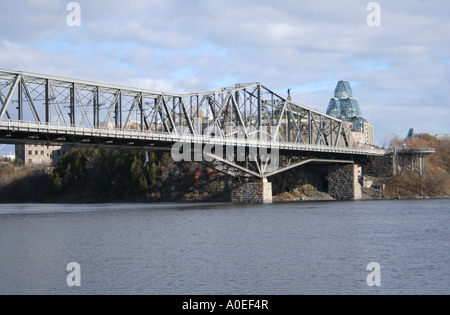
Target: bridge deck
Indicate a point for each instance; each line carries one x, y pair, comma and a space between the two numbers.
32, 132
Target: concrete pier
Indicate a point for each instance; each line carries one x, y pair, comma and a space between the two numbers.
257, 192
343, 182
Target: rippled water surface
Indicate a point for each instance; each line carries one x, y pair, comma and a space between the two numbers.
295, 248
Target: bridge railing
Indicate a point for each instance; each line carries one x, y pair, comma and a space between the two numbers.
130, 135
421, 150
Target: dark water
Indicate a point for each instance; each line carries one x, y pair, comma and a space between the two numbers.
303, 248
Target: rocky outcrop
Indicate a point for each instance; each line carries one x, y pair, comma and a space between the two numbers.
303, 193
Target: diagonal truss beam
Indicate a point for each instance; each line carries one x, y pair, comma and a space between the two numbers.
286, 168
30, 101
233, 165
259, 112
10, 96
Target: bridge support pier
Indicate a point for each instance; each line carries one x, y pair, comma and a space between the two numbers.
257, 192
343, 182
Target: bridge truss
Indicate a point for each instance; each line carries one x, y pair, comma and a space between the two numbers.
44, 109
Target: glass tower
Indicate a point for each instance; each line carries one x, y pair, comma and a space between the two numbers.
412, 133
334, 108
343, 90
345, 107
343, 104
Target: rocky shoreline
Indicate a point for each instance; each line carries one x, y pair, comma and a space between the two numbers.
310, 193
303, 193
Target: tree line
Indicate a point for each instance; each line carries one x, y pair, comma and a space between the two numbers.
114, 175
436, 180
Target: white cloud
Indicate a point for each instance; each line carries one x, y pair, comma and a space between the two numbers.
175, 45
154, 85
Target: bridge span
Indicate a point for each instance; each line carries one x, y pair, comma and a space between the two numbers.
247, 130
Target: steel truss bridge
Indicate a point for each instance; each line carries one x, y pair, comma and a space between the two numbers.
248, 118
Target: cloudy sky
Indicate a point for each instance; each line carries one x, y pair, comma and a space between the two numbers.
399, 71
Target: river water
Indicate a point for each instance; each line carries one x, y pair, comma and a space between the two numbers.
289, 249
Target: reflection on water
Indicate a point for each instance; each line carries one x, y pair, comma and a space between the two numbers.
293, 248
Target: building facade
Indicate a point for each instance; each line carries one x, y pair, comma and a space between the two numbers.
35, 154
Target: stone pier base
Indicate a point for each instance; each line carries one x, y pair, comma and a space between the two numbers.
343, 182
252, 192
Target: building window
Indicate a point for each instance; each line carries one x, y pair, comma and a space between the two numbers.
36, 152
42, 152
30, 152
30, 161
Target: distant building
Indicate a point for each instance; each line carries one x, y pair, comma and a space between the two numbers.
344, 106
35, 154
443, 137
10, 156
412, 133
59, 152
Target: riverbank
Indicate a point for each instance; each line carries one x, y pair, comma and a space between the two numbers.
100, 176
34, 185
310, 193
